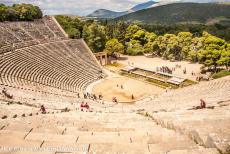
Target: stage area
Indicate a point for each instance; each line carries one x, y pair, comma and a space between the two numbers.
122, 88
152, 63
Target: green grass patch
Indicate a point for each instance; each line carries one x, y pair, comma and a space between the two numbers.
220, 74
115, 64
161, 84
188, 83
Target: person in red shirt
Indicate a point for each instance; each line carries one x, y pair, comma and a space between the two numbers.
43, 109
202, 104
87, 106
82, 106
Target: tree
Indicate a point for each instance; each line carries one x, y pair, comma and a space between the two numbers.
212, 51
134, 48
113, 46
120, 31
149, 39
95, 37
140, 36
72, 26
130, 31
3, 12
24, 12
225, 57
73, 33
27, 11
185, 40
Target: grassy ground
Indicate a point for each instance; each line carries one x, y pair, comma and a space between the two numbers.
188, 83
157, 82
115, 64
220, 74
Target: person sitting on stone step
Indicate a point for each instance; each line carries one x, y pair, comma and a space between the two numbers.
43, 110
202, 104
82, 106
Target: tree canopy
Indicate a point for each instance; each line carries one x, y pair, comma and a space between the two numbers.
19, 12
113, 46
133, 39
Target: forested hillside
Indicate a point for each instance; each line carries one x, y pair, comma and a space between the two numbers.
204, 13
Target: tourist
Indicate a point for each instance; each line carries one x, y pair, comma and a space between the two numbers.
78, 95
202, 104
115, 100
43, 110
94, 97
4, 90
88, 95
82, 106
100, 96
193, 73
132, 97
122, 87
86, 106
85, 96
184, 71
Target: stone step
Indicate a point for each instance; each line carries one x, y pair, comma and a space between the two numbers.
195, 151
65, 146
51, 137
103, 139
165, 147
119, 148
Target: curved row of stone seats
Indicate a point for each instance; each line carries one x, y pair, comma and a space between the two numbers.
39, 31
31, 28
53, 100
212, 92
57, 98
6, 37
126, 133
83, 50
15, 110
16, 30
51, 64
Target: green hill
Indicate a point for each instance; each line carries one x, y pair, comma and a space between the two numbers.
177, 13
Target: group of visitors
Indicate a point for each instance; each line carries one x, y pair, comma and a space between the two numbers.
4, 91
92, 96
164, 69
84, 106
121, 86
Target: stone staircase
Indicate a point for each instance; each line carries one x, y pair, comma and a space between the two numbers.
93, 132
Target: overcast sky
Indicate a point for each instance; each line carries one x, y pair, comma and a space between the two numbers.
84, 7
78, 7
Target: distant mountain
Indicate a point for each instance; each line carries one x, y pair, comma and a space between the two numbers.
142, 6
205, 13
206, 1
103, 13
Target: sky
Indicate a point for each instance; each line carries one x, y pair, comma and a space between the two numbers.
78, 7
85, 7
